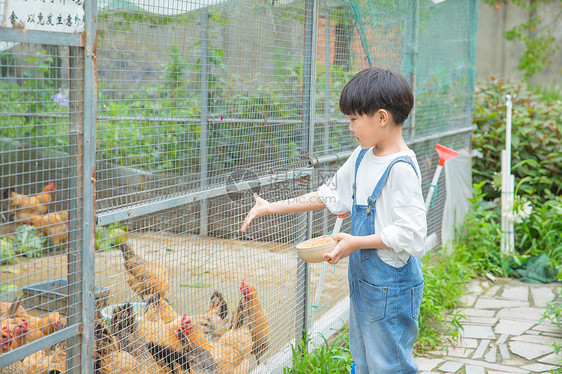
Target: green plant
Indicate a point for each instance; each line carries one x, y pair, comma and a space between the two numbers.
540, 45
444, 278
553, 313
536, 150
330, 357
110, 237
6, 252
540, 232
477, 241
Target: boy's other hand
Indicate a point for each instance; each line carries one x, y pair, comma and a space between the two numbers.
261, 208
346, 246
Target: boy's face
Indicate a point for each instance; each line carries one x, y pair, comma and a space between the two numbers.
366, 129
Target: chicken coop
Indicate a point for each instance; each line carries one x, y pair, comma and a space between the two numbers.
133, 135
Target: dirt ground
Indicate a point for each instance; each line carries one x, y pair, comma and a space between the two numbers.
197, 266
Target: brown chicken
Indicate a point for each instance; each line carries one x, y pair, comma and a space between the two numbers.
13, 310
199, 359
158, 308
128, 339
231, 350
259, 320
20, 333
6, 340
109, 359
53, 225
36, 328
47, 361
145, 277
161, 339
214, 322
23, 206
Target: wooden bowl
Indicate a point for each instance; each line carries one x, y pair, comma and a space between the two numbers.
313, 250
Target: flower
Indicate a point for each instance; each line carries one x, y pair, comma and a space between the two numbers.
497, 181
60, 99
521, 209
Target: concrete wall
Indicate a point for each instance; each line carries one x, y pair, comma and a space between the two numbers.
498, 57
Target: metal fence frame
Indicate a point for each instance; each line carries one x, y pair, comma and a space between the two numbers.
82, 144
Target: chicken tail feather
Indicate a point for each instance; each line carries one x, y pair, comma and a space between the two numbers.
7, 192
241, 316
218, 301
14, 306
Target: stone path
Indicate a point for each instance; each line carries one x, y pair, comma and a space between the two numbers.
502, 333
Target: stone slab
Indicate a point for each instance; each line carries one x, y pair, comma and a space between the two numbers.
493, 366
542, 295
550, 359
551, 329
468, 299
477, 332
504, 352
502, 339
474, 287
491, 355
492, 303
428, 363
539, 339
519, 293
471, 312
473, 369
467, 343
521, 313
492, 291
451, 367
460, 352
480, 320
538, 368
481, 349
529, 351
507, 326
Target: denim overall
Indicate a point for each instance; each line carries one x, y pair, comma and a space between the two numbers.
385, 300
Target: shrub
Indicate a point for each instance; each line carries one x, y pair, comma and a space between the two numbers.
536, 137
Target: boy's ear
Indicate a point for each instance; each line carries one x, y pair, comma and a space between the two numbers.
382, 116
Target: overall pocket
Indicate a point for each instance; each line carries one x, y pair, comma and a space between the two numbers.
417, 294
373, 301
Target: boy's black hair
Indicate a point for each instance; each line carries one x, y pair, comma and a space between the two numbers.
376, 88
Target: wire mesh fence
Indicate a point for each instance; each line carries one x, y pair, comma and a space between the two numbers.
131, 147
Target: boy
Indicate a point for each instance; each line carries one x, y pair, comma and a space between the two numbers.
380, 184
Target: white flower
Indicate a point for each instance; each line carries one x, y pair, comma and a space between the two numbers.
521, 209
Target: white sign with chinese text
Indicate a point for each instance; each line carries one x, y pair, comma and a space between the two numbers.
45, 15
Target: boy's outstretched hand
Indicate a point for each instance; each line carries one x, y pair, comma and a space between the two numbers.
261, 208
347, 244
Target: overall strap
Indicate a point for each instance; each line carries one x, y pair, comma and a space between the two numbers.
378, 189
357, 162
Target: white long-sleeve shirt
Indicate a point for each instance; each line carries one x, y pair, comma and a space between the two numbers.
400, 215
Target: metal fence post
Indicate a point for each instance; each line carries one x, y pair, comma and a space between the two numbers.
88, 188
326, 105
473, 28
307, 147
75, 149
204, 133
412, 51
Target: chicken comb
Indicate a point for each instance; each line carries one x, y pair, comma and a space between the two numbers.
184, 319
245, 288
51, 186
